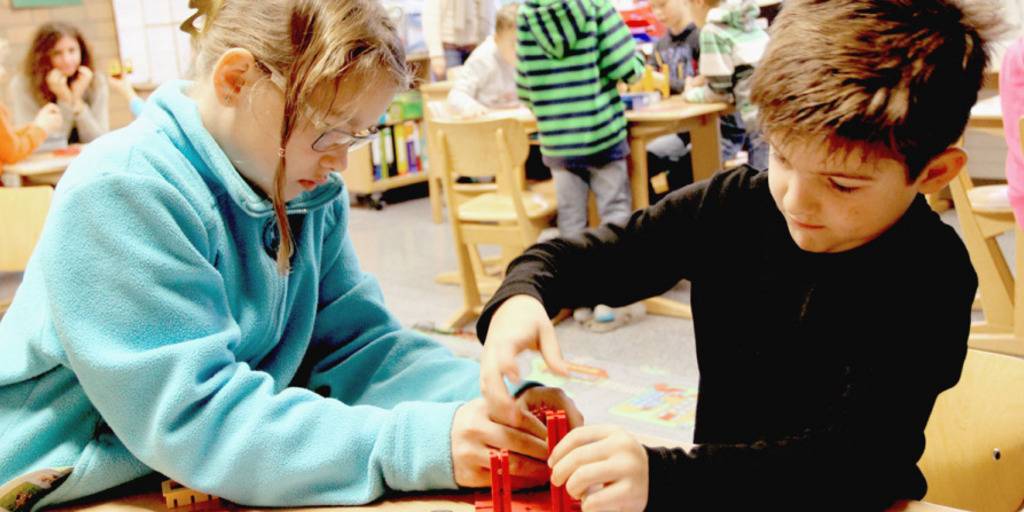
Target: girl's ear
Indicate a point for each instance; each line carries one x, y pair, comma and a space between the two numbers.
941, 170
233, 72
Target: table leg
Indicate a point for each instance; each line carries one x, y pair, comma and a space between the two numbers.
638, 173
706, 155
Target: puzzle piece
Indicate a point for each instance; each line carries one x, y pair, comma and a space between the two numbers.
177, 495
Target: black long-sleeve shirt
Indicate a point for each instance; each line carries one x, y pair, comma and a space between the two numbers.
818, 372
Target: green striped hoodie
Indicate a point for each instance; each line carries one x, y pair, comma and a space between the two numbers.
571, 54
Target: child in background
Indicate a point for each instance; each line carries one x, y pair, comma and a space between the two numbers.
17, 143
831, 305
1011, 96
679, 48
195, 306
488, 78
452, 29
679, 51
571, 54
731, 45
59, 69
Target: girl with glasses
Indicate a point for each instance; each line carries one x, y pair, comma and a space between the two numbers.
195, 306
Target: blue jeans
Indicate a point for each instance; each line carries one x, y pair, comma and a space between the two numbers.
736, 138
610, 184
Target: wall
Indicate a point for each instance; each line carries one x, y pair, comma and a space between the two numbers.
95, 18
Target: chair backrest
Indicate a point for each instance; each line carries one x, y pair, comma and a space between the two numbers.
22, 215
485, 147
974, 456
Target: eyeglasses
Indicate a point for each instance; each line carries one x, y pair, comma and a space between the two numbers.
336, 139
329, 140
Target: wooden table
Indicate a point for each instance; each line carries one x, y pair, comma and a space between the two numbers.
673, 115
37, 169
149, 499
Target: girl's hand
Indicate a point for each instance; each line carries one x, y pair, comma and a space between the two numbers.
475, 435
520, 323
58, 84
604, 466
49, 118
81, 83
536, 401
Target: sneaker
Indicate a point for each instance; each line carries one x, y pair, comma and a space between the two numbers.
603, 313
582, 314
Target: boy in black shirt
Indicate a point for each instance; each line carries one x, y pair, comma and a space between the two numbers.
831, 305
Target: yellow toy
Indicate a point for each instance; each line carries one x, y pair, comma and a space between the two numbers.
651, 82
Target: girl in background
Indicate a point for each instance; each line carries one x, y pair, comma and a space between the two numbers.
59, 69
195, 306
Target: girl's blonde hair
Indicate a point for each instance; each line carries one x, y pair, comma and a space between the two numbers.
312, 46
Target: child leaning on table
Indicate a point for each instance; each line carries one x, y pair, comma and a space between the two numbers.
731, 45
18, 142
488, 78
195, 306
831, 305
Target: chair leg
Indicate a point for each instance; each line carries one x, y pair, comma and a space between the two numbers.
667, 307
434, 191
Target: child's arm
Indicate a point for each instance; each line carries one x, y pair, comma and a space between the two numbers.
610, 265
160, 355
464, 92
606, 461
618, 58
17, 143
717, 67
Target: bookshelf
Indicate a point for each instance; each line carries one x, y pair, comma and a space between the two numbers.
368, 178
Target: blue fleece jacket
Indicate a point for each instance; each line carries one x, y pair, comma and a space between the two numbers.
153, 332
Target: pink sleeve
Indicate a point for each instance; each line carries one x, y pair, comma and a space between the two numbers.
1011, 92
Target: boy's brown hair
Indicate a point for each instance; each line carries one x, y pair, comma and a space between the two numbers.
505, 19
896, 78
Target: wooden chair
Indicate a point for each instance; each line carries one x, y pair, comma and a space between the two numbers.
509, 216
434, 107
974, 456
984, 213
22, 215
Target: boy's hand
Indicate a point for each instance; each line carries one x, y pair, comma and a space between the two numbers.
520, 323
604, 466
49, 118
475, 435
475, 110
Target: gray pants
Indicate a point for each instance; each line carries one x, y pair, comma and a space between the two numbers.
610, 184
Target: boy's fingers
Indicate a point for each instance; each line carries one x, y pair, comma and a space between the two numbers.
500, 404
551, 353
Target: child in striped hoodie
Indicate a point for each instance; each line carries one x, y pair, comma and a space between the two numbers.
570, 56
731, 45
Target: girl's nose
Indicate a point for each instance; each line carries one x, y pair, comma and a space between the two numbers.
335, 161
